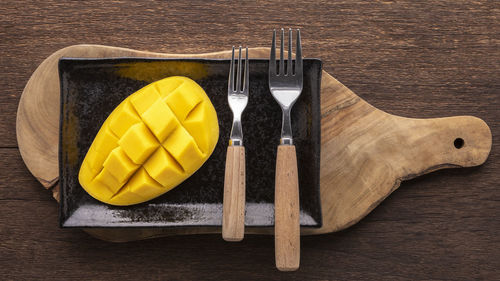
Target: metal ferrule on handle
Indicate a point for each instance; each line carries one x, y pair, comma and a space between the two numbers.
236, 138
286, 86
286, 127
233, 210
238, 96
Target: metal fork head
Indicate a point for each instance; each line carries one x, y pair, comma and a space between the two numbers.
237, 96
286, 86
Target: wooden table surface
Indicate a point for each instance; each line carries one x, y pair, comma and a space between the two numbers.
434, 59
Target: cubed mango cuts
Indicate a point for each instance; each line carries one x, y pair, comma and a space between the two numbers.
151, 142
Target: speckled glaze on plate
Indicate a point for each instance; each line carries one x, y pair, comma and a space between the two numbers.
92, 88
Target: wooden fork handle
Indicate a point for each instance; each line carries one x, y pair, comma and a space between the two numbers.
233, 211
286, 210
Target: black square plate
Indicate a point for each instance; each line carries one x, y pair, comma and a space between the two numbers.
92, 88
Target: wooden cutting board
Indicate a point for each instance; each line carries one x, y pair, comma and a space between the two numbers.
365, 152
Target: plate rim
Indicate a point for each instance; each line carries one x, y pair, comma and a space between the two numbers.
317, 140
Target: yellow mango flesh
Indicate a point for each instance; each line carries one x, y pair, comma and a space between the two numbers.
150, 143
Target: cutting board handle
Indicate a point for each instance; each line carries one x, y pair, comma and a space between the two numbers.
383, 150
365, 152
428, 144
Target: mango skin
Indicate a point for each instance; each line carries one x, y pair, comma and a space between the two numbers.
151, 142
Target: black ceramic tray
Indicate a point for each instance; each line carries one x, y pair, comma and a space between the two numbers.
92, 88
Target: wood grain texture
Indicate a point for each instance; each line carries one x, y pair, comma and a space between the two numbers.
366, 159
415, 59
37, 124
357, 136
233, 210
286, 210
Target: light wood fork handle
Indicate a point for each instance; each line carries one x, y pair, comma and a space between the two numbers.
286, 210
233, 211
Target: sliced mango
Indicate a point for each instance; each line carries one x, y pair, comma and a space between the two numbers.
138, 143
183, 104
125, 118
182, 146
144, 98
120, 165
152, 141
105, 141
163, 168
160, 119
195, 124
143, 185
164, 87
106, 179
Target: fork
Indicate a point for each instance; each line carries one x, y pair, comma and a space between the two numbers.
233, 211
286, 88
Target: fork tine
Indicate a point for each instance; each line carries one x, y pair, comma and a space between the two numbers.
290, 63
298, 55
272, 59
247, 70
230, 83
238, 73
282, 64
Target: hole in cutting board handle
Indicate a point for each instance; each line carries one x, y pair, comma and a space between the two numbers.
458, 143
